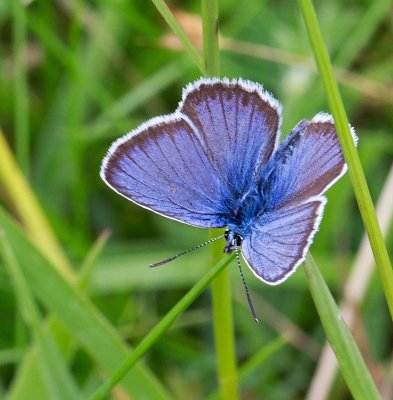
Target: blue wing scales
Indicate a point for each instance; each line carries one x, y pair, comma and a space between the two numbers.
187, 166
238, 122
279, 241
163, 167
307, 163
304, 166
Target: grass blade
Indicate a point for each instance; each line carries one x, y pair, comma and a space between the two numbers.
149, 340
348, 356
21, 119
224, 337
363, 32
261, 356
89, 261
30, 212
354, 293
359, 183
80, 316
68, 59
179, 32
210, 26
28, 375
221, 291
57, 378
256, 361
137, 96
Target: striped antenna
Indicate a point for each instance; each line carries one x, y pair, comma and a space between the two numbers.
250, 305
185, 252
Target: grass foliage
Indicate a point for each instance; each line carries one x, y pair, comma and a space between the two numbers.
74, 303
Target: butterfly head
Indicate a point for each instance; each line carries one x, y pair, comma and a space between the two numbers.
233, 240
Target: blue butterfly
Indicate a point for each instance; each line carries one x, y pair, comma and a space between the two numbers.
216, 162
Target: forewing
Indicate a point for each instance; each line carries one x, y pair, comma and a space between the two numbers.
162, 166
308, 162
278, 241
238, 122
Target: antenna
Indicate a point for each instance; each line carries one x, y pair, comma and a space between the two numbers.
250, 305
185, 252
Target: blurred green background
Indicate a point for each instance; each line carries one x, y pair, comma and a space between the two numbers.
74, 76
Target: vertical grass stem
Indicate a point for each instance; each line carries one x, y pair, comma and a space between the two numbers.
179, 32
359, 183
221, 292
150, 339
352, 365
20, 85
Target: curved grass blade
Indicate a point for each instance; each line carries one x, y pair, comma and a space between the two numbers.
359, 182
140, 94
57, 378
354, 292
39, 26
30, 211
91, 257
79, 315
28, 376
179, 32
149, 340
363, 32
348, 356
28, 381
256, 361
261, 356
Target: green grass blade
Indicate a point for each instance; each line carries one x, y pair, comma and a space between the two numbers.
28, 375
28, 381
363, 32
178, 31
29, 210
348, 356
210, 26
69, 61
261, 356
21, 119
140, 94
221, 291
89, 261
151, 86
11, 356
80, 316
149, 340
256, 361
58, 379
224, 336
351, 156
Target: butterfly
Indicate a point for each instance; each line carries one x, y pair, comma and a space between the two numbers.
217, 162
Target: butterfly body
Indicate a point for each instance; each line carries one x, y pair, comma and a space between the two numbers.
259, 202
217, 162
233, 240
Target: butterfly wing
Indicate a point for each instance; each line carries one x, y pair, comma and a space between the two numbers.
190, 165
304, 166
163, 167
307, 163
279, 241
239, 124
